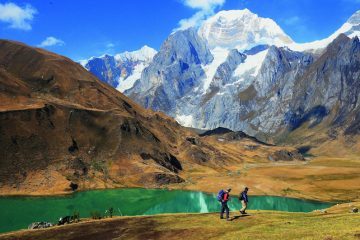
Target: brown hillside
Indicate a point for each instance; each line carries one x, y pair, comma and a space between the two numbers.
60, 125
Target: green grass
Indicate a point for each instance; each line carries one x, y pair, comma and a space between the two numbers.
336, 223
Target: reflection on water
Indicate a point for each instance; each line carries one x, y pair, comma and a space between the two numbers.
19, 212
202, 203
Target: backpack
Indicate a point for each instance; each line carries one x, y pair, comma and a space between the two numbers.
241, 197
220, 195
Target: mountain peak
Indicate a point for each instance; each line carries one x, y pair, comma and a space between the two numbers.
241, 29
145, 53
146, 48
233, 15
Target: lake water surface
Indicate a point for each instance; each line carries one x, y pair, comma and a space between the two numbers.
18, 212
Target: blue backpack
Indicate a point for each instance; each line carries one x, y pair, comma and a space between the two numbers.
220, 195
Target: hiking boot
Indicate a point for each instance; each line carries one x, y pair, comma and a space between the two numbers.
228, 219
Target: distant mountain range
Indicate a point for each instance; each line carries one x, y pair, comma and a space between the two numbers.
122, 70
241, 71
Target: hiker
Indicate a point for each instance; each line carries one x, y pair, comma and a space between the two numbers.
244, 200
224, 207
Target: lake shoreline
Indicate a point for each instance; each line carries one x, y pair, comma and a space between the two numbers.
70, 193
19, 212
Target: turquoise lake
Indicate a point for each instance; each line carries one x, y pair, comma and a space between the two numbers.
18, 212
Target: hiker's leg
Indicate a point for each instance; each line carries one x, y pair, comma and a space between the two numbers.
222, 210
227, 211
243, 206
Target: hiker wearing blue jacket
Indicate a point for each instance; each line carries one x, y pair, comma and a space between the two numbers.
244, 200
224, 207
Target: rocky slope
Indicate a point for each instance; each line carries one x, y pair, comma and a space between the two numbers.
62, 129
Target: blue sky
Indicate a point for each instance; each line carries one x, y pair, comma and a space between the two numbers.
84, 28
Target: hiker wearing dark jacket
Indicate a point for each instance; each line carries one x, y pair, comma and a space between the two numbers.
224, 207
244, 200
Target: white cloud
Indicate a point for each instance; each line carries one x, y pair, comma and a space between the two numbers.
51, 41
17, 17
205, 7
203, 4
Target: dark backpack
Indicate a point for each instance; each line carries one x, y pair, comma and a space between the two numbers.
241, 197
220, 195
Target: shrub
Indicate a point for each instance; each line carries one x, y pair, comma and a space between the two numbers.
95, 215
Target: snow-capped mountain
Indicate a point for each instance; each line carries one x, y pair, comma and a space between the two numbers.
241, 71
122, 70
241, 29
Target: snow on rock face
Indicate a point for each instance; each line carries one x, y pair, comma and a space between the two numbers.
220, 55
145, 54
128, 82
351, 28
355, 18
122, 70
252, 64
241, 29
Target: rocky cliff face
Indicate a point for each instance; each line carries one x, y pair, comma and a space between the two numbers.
174, 73
105, 68
330, 88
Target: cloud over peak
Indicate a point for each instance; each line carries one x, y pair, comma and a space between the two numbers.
205, 7
203, 4
18, 17
51, 41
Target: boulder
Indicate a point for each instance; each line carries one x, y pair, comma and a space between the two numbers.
164, 178
193, 140
38, 225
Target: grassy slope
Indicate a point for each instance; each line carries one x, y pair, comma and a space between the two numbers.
337, 223
325, 178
